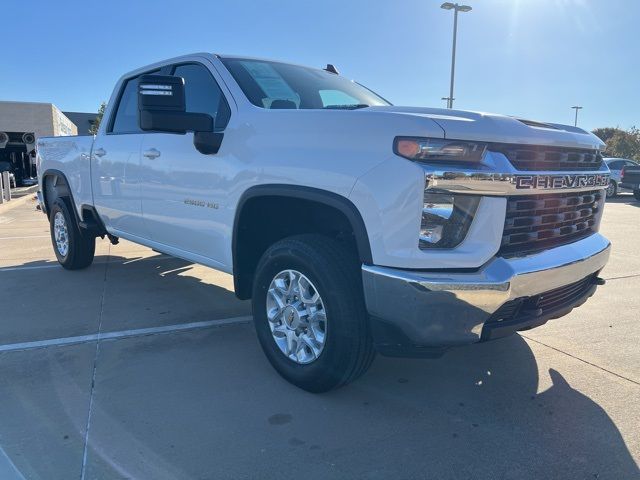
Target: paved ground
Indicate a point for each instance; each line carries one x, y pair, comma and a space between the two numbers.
179, 389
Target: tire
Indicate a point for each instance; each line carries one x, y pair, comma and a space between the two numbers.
636, 194
334, 274
612, 189
80, 247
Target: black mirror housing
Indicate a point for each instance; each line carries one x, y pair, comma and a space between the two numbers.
162, 107
175, 122
161, 93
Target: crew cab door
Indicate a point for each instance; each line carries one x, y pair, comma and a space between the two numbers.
116, 165
183, 190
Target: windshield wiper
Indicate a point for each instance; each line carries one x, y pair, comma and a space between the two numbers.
354, 106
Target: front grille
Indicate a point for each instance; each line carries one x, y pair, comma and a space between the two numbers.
534, 157
522, 309
538, 222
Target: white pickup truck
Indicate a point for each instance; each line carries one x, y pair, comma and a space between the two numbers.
355, 226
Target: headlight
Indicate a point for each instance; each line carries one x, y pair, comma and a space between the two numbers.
438, 150
446, 219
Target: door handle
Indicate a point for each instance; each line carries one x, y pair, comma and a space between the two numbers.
100, 152
151, 153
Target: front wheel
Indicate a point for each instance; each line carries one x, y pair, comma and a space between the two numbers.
309, 313
74, 249
636, 194
612, 189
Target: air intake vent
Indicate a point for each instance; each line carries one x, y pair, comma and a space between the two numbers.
527, 308
528, 158
532, 123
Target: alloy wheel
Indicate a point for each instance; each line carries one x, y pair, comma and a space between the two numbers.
61, 234
297, 316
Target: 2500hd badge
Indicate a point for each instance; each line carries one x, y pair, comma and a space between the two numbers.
559, 182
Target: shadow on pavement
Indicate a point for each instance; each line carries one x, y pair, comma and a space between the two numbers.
207, 405
125, 293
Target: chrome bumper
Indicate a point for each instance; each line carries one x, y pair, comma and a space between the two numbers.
442, 309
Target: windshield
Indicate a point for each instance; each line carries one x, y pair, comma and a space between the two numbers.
277, 85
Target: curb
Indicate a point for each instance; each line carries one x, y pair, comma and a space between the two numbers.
27, 195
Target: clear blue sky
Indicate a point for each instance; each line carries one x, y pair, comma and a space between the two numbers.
532, 58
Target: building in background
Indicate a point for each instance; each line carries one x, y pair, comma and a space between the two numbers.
83, 121
21, 123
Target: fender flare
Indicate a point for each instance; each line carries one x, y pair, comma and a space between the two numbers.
87, 218
330, 199
52, 172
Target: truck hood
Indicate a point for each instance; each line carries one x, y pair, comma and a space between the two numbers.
489, 127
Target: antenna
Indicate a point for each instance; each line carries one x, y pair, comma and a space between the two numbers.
331, 69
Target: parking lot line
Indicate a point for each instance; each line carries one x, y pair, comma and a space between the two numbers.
57, 342
57, 265
34, 267
8, 470
22, 238
579, 359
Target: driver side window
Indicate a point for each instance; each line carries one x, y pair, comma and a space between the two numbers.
202, 93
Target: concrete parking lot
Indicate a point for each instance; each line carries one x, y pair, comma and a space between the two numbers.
147, 367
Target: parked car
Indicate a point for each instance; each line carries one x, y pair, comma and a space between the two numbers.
616, 165
630, 179
355, 226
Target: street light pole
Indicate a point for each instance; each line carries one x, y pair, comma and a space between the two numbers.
576, 108
456, 8
453, 55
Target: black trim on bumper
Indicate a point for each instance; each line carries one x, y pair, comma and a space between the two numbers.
527, 313
516, 315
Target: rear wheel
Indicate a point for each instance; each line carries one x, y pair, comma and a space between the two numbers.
74, 248
612, 189
309, 313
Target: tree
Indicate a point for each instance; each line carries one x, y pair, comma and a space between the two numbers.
620, 143
96, 124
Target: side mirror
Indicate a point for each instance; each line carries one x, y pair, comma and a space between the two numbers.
162, 108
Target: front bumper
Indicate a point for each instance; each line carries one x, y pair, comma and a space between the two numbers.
420, 313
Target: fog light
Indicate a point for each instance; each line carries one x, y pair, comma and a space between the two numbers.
446, 219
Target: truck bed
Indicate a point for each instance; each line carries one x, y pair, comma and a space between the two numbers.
70, 155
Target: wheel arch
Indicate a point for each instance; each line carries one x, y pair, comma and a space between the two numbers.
246, 254
55, 185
